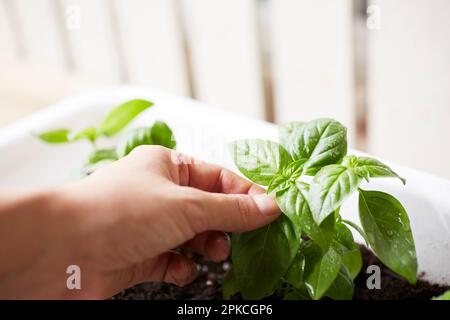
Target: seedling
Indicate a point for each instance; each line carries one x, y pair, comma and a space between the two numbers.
158, 134
310, 252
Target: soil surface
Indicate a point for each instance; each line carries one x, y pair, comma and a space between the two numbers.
209, 281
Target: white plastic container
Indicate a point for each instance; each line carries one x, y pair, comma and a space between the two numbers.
204, 132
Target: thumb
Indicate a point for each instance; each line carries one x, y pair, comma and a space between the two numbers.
235, 212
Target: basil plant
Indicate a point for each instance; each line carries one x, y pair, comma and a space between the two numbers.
309, 252
115, 121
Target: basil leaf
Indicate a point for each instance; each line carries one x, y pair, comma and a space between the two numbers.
122, 115
133, 139
288, 174
102, 154
298, 294
369, 167
287, 133
444, 296
347, 248
278, 183
230, 285
351, 259
259, 160
321, 234
55, 136
331, 186
321, 268
321, 141
294, 275
293, 203
261, 257
342, 288
90, 134
358, 229
162, 135
386, 224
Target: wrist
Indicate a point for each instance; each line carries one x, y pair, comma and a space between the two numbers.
39, 242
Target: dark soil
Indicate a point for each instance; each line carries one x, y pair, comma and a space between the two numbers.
209, 281
393, 287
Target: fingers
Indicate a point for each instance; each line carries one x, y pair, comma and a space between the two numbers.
170, 267
229, 212
175, 268
227, 201
213, 245
213, 178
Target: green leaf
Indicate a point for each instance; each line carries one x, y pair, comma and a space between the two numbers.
102, 154
321, 268
444, 296
162, 135
331, 186
55, 136
358, 229
369, 167
294, 274
230, 285
133, 139
321, 141
352, 260
342, 288
347, 248
298, 294
259, 160
286, 177
293, 203
90, 134
287, 134
386, 224
278, 183
122, 115
261, 257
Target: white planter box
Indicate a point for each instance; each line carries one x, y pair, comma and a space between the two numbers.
204, 132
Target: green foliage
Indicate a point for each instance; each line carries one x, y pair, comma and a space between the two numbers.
158, 134
122, 115
55, 136
444, 296
386, 224
113, 123
309, 251
261, 257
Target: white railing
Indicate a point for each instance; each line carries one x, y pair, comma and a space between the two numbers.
279, 60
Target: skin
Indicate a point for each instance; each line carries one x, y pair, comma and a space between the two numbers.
121, 224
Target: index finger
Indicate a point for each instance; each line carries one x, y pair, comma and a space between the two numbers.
214, 178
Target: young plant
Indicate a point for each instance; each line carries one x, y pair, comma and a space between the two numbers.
309, 252
158, 134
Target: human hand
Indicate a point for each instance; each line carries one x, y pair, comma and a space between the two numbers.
120, 224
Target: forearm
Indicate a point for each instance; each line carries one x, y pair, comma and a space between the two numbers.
35, 240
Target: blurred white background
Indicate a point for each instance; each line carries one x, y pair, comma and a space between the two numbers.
382, 67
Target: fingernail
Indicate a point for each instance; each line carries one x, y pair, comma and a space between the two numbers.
220, 249
266, 204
